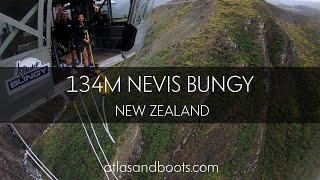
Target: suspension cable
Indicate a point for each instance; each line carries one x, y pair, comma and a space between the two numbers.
104, 121
95, 135
38, 164
105, 118
32, 153
88, 137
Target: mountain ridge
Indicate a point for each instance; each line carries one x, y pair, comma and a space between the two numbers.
301, 9
214, 33
311, 4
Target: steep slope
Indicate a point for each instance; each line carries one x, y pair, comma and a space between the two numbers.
229, 37
214, 33
303, 33
11, 168
246, 33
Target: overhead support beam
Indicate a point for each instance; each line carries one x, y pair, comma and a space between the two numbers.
49, 20
40, 24
18, 24
110, 11
14, 32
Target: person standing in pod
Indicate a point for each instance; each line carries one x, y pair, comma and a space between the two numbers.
64, 36
82, 41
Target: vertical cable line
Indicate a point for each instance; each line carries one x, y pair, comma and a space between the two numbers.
39, 165
95, 135
88, 137
32, 155
105, 118
104, 121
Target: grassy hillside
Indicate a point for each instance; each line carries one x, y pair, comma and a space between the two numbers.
211, 33
66, 151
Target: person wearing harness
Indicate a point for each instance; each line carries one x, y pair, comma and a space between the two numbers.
82, 40
64, 38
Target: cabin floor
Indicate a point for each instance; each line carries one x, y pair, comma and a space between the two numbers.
102, 57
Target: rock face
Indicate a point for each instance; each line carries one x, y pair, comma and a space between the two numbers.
130, 150
10, 151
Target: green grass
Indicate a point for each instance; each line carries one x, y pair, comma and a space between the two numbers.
305, 40
65, 150
157, 30
207, 46
292, 151
158, 141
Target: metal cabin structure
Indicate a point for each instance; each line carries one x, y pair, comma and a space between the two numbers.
27, 49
